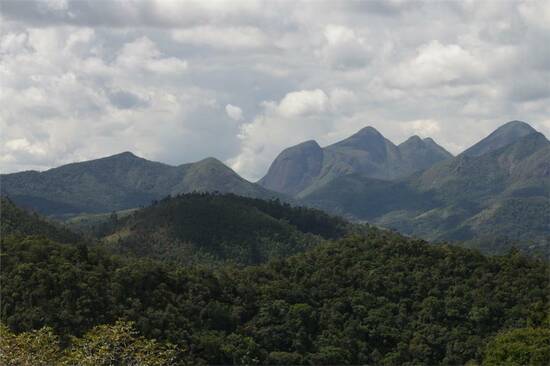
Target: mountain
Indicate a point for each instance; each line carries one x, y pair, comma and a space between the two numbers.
119, 182
209, 228
497, 197
305, 167
504, 135
295, 168
420, 154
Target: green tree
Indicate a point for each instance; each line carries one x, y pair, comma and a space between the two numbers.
518, 347
120, 344
34, 348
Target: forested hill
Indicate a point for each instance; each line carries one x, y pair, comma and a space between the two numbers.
16, 221
380, 299
208, 228
120, 182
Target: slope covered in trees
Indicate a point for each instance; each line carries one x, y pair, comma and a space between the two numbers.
206, 228
120, 182
16, 221
377, 299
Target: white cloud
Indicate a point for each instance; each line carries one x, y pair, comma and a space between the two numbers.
344, 49
436, 64
222, 37
83, 79
234, 112
143, 54
302, 103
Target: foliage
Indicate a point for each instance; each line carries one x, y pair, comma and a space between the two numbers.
516, 347
120, 344
206, 228
117, 344
377, 299
34, 348
16, 221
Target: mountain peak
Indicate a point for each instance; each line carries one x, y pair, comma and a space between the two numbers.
294, 168
367, 138
506, 134
413, 139
516, 124
123, 155
367, 131
309, 144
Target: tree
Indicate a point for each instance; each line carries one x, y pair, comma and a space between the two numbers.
120, 344
34, 348
523, 346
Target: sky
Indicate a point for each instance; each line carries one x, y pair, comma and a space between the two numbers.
177, 81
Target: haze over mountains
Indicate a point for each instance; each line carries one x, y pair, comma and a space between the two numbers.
120, 182
498, 188
300, 169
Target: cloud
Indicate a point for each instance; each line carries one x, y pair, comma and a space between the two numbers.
126, 100
222, 37
436, 64
298, 116
234, 112
170, 80
344, 49
301, 103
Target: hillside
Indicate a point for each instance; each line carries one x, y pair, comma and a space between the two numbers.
18, 222
381, 299
301, 169
502, 194
119, 182
209, 228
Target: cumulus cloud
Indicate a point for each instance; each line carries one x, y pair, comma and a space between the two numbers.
301, 103
234, 112
170, 80
436, 64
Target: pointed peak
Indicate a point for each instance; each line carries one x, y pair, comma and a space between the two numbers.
128, 154
412, 141
123, 156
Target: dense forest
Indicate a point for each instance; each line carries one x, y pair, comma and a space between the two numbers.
371, 298
219, 228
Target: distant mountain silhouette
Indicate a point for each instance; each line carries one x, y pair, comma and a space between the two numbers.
305, 167
118, 182
502, 194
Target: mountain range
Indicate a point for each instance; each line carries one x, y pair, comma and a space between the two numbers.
120, 182
498, 189
305, 167
495, 192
